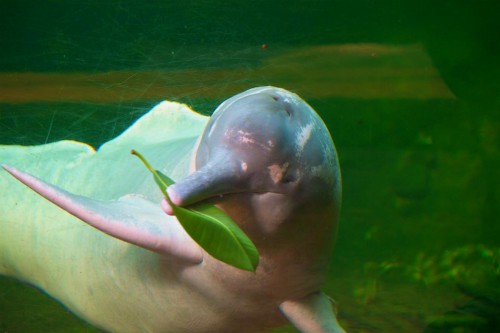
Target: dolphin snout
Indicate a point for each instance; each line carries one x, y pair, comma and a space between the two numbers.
221, 175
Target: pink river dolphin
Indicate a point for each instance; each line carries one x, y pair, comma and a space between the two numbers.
264, 157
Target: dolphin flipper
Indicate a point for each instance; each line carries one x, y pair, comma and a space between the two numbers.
312, 314
131, 218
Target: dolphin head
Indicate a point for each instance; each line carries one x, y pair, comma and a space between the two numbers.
265, 152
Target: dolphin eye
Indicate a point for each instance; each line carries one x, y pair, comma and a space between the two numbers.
290, 177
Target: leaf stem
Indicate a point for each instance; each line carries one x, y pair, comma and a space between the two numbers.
156, 176
146, 163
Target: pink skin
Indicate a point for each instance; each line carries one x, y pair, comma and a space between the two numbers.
165, 206
292, 218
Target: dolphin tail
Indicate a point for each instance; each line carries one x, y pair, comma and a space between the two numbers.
131, 218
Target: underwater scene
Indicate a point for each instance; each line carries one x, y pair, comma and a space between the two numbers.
409, 91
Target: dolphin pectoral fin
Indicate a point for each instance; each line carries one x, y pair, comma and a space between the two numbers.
131, 218
312, 314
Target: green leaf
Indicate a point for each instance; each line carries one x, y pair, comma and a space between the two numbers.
211, 228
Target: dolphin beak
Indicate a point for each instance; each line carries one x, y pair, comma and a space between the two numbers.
219, 176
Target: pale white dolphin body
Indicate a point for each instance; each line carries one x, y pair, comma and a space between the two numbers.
264, 157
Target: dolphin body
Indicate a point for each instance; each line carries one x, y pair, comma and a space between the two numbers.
264, 157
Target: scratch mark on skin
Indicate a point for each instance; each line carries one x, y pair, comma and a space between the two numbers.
303, 137
247, 138
323, 169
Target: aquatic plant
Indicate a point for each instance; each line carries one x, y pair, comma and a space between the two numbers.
366, 291
470, 264
475, 270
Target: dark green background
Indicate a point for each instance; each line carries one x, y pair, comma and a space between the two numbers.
420, 217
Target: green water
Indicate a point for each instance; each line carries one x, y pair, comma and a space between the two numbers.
409, 90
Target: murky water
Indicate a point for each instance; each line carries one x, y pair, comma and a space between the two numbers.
410, 94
